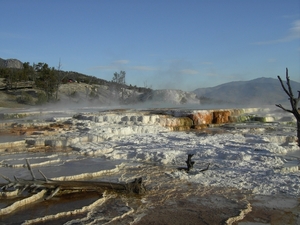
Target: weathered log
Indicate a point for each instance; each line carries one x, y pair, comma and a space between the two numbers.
74, 185
53, 187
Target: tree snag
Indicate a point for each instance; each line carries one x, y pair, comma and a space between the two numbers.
293, 101
189, 162
190, 165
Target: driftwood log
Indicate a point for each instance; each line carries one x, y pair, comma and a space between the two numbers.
53, 187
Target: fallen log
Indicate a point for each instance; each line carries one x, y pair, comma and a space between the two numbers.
53, 187
33, 185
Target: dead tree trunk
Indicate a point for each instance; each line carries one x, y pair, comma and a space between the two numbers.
53, 186
189, 162
190, 165
293, 101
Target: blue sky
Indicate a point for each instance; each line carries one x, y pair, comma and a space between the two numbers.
178, 44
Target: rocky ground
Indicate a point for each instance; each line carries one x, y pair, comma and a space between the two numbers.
172, 197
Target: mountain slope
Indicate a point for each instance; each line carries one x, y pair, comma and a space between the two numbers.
257, 91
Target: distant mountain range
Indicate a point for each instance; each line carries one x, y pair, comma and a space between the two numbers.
258, 91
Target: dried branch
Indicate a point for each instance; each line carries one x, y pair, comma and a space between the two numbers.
205, 168
288, 83
293, 101
287, 110
5, 178
46, 179
282, 85
29, 168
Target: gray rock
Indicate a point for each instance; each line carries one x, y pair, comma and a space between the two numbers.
11, 63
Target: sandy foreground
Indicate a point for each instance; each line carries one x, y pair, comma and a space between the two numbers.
251, 179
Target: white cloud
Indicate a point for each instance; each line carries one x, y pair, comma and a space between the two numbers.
294, 31
293, 34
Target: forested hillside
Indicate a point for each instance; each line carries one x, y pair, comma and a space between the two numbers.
39, 84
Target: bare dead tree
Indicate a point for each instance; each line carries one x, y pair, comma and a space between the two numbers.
293, 101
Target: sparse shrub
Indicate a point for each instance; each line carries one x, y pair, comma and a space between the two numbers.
25, 98
42, 98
